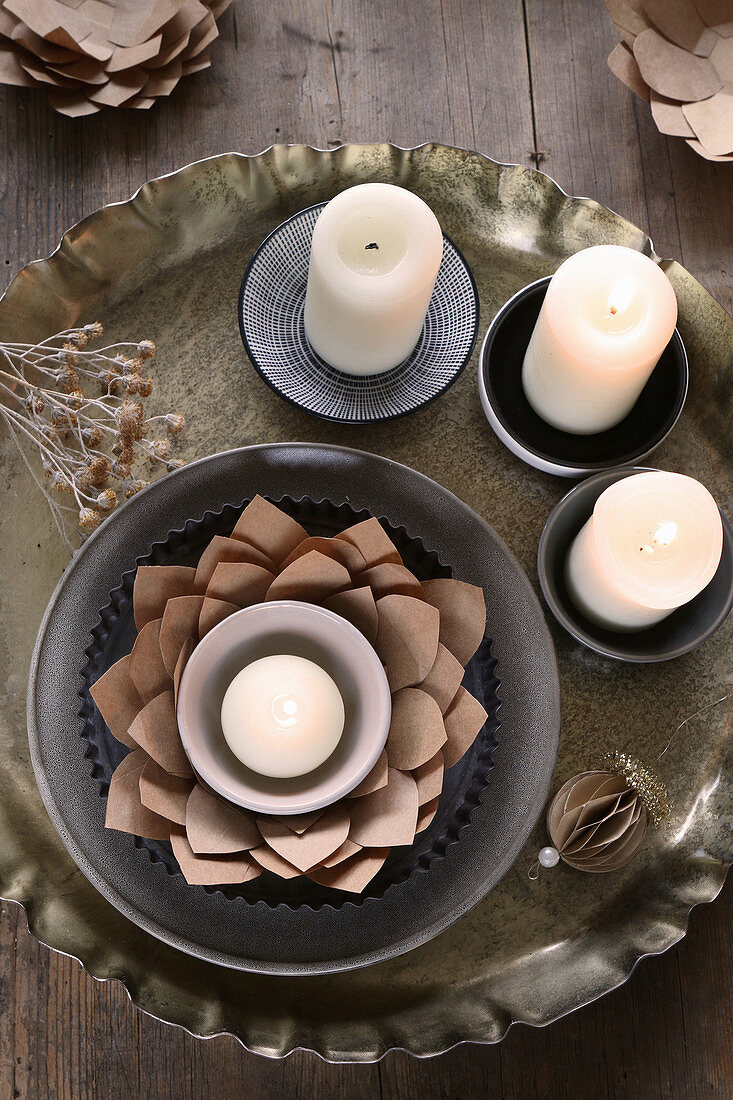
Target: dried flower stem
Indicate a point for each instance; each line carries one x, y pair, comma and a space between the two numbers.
92, 445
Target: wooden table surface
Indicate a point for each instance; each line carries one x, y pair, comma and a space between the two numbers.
522, 82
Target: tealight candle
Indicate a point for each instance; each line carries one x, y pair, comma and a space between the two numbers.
653, 542
282, 716
608, 315
374, 260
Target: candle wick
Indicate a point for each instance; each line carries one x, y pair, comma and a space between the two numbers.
372, 245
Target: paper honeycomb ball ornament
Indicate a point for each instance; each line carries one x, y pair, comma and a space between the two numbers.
677, 55
91, 54
596, 821
424, 634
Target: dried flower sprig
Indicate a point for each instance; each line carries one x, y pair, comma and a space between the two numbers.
81, 411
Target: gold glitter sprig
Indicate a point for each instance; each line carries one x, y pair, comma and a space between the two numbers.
650, 789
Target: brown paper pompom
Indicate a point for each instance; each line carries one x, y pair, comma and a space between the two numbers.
360, 576
119, 53
679, 58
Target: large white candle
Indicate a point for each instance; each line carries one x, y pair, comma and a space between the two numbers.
608, 315
374, 259
653, 542
282, 716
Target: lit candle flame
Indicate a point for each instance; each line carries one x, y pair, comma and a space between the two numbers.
620, 297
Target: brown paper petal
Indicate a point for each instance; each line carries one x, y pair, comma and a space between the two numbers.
444, 678
429, 779
375, 545
416, 731
39, 46
712, 121
168, 52
202, 36
407, 639
190, 13
717, 15
129, 57
674, 72
265, 527
119, 88
357, 606
222, 549
214, 612
196, 64
388, 816
463, 720
86, 70
722, 59
462, 615
117, 700
210, 870
376, 778
623, 65
354, 874
271, 861
164, 794
186, 650
155, 585
140, 103
298, 823
215, 827
125, 811
156, 730
180, 622
426, 815
239, 583
703, 152
43, 75
679, 22
162, 81
146, 663
347, 849
135, 22
52, 20
669, 117
389, 579
97, 46
342, 552
11, 70
628, 14
312, 578
71, 104
310, 848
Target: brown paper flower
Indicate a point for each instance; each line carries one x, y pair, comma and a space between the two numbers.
90, 54
597, 821
423, 633
679, 58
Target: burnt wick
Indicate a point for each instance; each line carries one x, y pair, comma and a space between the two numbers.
372, 245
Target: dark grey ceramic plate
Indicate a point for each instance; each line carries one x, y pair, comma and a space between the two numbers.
300, 940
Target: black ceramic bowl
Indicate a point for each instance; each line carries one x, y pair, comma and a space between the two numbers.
683, 630
556, 452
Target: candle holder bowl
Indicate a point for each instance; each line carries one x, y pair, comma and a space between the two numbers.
549, 449
304, 630
271, 305
682, 631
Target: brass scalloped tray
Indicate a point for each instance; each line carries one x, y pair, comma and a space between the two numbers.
167, 265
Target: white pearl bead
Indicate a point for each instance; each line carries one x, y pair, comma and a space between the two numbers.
548, 857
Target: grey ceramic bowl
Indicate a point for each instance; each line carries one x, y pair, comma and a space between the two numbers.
304, 630
546, 448
685, 629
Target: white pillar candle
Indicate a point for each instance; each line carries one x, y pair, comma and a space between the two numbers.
374, 260
282, 716
608, 315
653, 542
